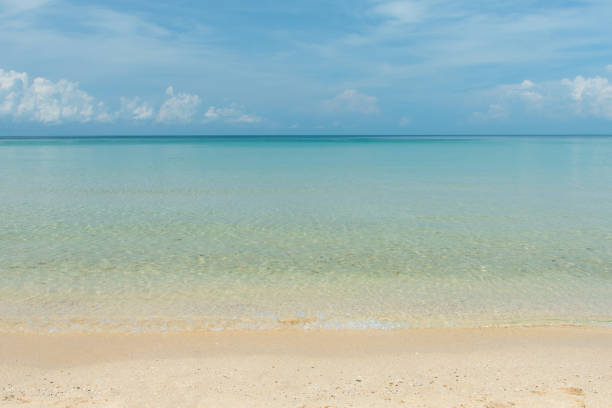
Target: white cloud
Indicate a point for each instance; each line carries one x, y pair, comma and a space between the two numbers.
181, 107
585, 97
526, 90
45, 101
401, 11
135, 109
230, 114
48, 102
593, 96
103, 115
535, 98
352, 101
526, 94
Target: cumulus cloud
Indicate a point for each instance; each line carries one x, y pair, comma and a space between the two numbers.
180, 107
230, 114
354, 102
524, 95
592, 96
135, 109
45, 101
526, 90
586, 97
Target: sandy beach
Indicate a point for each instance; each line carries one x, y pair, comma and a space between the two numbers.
492, 368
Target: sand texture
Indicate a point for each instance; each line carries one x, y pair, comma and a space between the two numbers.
492, 368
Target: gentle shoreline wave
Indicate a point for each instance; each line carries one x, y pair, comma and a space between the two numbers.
159, 325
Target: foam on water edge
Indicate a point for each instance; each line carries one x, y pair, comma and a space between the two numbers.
152, 325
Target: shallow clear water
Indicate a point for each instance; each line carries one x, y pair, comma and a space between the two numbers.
214, 233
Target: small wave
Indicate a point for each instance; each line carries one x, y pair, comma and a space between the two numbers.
41, 325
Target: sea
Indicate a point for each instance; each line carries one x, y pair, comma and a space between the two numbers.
165, 234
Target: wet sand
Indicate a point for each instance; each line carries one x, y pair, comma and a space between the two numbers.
492, 368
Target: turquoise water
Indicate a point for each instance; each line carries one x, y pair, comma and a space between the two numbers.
154, 234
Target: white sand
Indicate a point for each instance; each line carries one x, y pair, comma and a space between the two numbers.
493, 368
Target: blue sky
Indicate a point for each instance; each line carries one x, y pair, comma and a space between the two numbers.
361, 66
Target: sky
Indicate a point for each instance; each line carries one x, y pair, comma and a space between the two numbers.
305, 67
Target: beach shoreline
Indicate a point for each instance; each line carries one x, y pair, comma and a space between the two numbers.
485, 367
